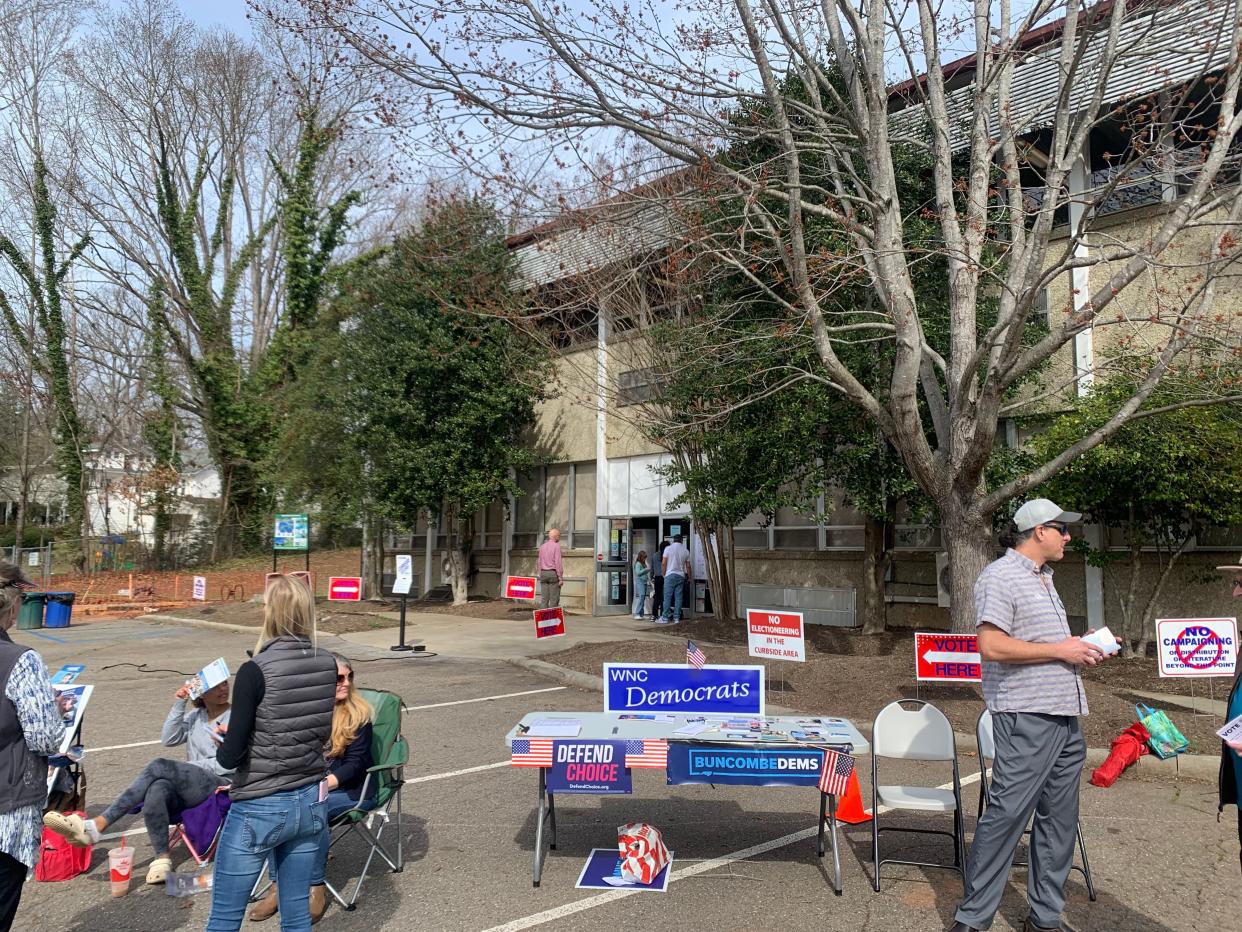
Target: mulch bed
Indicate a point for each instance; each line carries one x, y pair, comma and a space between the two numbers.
855, 675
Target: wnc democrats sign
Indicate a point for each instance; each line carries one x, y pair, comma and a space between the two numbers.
667, 687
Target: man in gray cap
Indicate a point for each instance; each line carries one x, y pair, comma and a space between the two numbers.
1032, 687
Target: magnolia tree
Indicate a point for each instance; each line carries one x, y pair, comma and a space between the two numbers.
1056, 114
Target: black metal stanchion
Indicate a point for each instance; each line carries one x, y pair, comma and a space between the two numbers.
401, 645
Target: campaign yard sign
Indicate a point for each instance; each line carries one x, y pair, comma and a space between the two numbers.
594, 767
344, 589
713, 689
549, 622
775, 635
716, 764
947, 658
1197, 646
520, 587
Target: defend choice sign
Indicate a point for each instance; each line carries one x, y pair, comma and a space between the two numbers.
716, 689
689, 763
596, 767
1197, 646
773, 634
952, 658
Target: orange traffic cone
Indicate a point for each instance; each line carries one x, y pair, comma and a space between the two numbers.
850, 806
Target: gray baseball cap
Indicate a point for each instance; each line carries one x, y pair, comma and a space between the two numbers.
1040, 511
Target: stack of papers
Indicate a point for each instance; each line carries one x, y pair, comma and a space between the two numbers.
554, 728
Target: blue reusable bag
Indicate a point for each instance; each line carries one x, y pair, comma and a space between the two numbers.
1166, 741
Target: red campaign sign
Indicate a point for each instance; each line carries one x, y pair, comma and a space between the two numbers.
344, 588
549, 622
952, 658
520, 587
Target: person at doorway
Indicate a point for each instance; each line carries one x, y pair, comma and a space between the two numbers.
1033, 689
551, 570
642, 575
657, 580
676, 570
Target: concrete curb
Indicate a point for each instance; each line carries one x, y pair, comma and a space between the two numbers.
1203, 767
199, 623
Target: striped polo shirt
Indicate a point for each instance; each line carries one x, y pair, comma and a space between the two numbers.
1018, 597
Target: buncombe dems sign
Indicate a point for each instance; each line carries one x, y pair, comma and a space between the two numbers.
666, 687
689, 763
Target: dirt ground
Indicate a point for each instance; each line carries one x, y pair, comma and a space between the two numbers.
855, 676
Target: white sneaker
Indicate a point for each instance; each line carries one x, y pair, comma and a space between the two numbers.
660, 621
159, 870
638, 617
76, 830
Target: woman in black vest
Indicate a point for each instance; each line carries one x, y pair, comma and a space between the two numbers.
31, 728
281, 720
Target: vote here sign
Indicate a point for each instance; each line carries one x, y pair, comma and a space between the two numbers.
520, 587
775, 635
952, 658
1197, 646
715, 689
549, 622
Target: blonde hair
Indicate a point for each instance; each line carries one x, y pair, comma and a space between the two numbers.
348, 716
288, 610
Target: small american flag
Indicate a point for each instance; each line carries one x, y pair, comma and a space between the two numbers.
838, 768
695, 657
531, 752
652, 754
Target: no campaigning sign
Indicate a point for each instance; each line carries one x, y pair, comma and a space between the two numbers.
1197, 646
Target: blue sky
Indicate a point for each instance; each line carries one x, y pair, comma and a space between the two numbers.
230, 13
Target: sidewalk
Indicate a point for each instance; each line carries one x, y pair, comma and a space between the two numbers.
492, 639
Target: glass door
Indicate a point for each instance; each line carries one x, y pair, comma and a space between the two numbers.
612, 566
670, 527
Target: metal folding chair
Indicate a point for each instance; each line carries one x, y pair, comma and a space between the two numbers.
202, 852
391, 752
922, 734
986, 737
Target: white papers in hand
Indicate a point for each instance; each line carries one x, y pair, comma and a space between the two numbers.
1104, 640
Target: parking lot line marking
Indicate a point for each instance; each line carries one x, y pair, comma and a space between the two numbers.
120, 747
440, 705
602, 899
457, 773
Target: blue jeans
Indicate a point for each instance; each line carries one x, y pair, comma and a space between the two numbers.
288, 826
640, 594
674, 590
338, 802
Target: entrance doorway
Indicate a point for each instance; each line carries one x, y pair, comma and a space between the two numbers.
620, 540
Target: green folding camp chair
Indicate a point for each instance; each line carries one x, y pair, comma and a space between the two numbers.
391, 753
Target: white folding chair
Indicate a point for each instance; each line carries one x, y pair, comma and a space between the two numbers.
986, 737
921, 734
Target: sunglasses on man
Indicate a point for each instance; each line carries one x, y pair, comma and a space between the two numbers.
1062, 529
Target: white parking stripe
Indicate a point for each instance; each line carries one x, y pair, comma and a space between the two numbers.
457, 773
602, 899
119, 747
440, 705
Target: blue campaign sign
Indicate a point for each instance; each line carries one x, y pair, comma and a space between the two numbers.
691, 763
602, 871
595, 767
715, 689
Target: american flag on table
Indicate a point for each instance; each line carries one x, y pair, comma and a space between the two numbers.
531, 752
835, 777
652, 754
695, 657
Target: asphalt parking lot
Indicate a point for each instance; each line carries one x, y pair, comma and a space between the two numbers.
744, 855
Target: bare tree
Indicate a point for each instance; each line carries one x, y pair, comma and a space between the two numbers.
1021, 201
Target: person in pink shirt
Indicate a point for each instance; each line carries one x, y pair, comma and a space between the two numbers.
551, 570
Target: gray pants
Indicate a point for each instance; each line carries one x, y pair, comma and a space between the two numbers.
549, 589
164, 789
1036, 771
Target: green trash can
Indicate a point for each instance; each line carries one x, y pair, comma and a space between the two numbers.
31, 613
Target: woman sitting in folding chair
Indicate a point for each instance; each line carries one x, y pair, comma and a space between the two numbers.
348, 755
165, 788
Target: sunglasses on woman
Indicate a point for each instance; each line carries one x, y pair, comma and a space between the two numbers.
343, 678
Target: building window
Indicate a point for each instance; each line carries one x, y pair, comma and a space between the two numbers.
584, 506
638, 385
